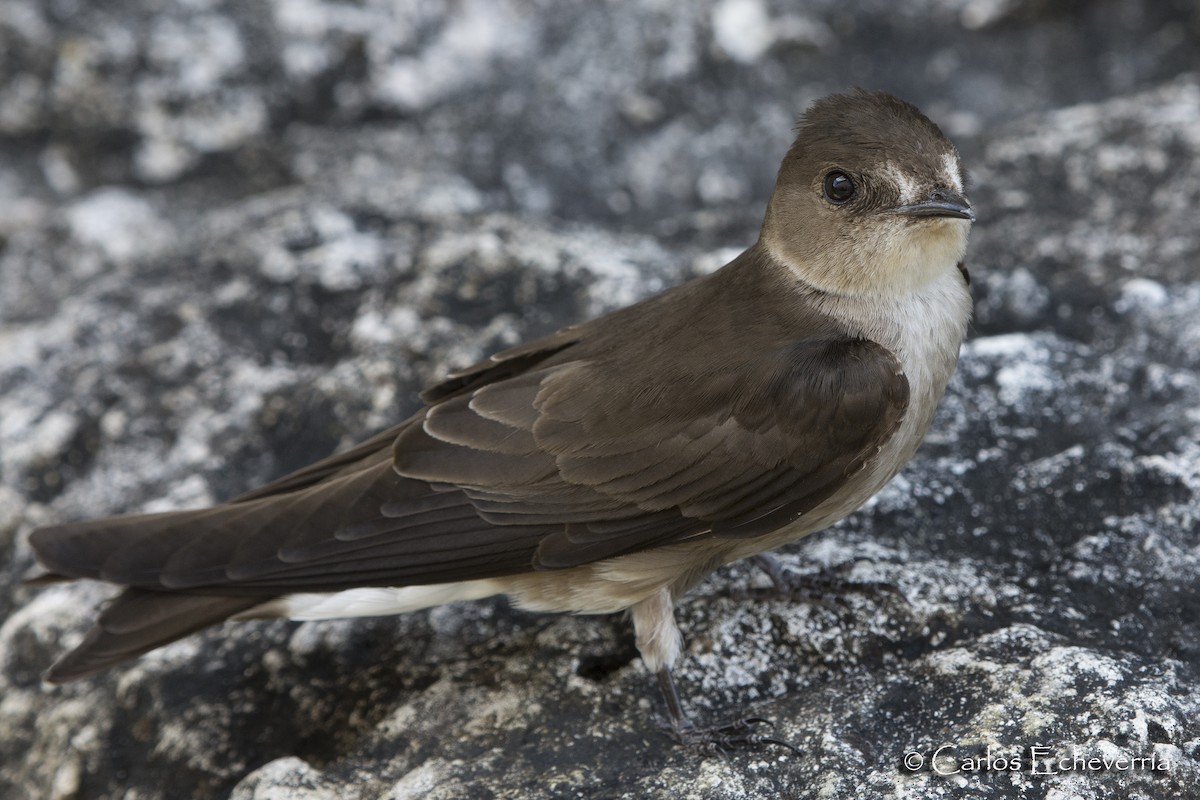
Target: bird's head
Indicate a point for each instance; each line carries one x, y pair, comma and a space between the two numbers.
869, 198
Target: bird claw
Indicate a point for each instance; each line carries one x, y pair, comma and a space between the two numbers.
720, 740
823, 588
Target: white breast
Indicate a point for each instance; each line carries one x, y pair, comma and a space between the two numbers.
927, 332
925, 329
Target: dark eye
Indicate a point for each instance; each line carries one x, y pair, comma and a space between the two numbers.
838, 187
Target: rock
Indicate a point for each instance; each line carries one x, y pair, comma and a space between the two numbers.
234, 237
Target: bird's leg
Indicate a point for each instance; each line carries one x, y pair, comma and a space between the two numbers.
822, 587
659, 642
679, 720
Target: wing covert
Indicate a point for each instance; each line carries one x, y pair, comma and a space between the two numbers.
729, 450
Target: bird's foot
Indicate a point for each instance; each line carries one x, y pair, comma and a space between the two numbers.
822, 587
720, 740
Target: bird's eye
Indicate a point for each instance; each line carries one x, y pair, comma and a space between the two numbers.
838, 187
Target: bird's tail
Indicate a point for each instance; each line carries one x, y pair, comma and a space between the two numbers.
139, 620
176, 565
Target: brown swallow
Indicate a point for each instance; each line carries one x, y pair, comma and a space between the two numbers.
612, 465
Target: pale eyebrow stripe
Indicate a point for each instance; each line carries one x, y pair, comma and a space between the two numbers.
950, 166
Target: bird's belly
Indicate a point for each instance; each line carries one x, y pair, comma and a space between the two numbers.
601, 588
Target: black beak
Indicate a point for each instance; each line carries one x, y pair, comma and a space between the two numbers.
941, 203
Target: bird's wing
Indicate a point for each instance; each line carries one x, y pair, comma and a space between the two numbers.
618, 464
320, 527
563, 464
501, 365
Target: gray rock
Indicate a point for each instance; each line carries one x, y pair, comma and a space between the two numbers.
236, 236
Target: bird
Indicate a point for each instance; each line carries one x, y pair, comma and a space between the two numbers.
612, 465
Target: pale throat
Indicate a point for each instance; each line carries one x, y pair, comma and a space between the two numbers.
913, 253
892, 257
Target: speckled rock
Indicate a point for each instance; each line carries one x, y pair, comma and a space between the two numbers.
236, 236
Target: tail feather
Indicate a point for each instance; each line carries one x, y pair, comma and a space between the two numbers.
198, 547
140, 620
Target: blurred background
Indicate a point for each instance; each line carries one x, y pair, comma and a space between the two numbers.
235, 236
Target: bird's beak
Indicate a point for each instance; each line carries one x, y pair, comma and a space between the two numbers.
940, 203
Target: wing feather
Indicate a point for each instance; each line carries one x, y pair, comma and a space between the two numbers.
568, 450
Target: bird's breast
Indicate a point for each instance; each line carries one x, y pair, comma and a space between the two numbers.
925, 330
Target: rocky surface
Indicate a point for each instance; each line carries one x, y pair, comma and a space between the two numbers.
236, 236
